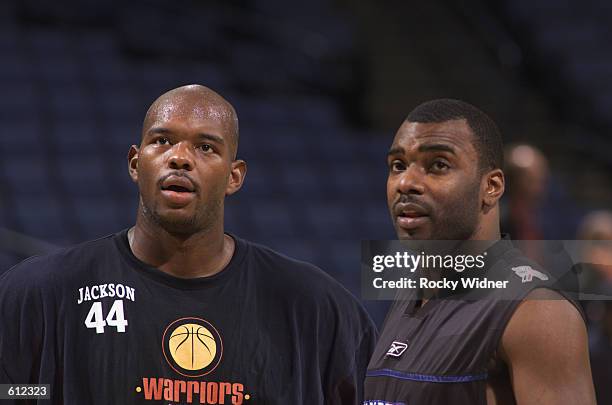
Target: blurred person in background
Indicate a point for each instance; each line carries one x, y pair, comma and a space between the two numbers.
536, 205
597, 226
528, 213
527, 174
597, 270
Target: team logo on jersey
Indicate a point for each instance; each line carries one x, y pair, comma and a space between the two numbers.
380, 402
397, 349
526, 273
192, 346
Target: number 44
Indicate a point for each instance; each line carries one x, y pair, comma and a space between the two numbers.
115, 317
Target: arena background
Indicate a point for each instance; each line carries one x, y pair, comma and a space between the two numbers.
320, 87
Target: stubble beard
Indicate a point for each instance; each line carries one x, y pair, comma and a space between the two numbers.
200, 221
459, 221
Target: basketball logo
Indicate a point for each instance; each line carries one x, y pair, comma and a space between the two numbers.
192, 347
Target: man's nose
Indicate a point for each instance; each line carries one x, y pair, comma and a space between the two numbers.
181, 157
412, 180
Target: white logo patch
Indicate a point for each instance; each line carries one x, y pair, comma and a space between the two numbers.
526, 273
397, 349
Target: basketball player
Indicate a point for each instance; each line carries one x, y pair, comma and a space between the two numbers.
445, 183
174, 310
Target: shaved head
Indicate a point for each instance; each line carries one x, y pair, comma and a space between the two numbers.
196, 101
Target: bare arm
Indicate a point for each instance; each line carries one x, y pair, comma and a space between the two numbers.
546, 349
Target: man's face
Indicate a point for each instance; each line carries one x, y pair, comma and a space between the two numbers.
433, 188
184, 166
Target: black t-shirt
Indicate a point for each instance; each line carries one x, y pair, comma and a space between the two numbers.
442, 353
104, 328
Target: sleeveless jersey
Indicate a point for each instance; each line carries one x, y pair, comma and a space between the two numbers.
440, 353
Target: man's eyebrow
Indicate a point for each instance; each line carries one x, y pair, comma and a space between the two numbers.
158, 131
437, 147
211, 137
202, 136
396, 150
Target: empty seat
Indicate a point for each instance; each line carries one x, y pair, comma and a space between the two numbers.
329, 219
42, 218
74, 136
69, 100
273, 219
26, 175
84, 176
96, 216
21, 137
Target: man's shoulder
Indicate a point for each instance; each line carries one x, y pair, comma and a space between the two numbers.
545, 318
58, 264
311, 293
287, 269
521, 273
296, 277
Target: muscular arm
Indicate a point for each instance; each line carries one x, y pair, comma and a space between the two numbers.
546, 349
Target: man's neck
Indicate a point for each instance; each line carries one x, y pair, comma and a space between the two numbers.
200, 254
488, 229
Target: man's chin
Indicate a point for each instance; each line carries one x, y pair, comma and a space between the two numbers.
177, 222
413, 234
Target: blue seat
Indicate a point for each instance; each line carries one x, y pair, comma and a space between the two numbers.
15, 67
60, 70
84, 176
23, 137
20, 97
258, 182
49, 41
301, 250
75, 136
70, 101
96, 216
120, 103
300, 181
27, 175
328, 219
272, 219
42, 218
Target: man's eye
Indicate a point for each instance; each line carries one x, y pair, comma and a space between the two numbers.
440, 166
206, 148
397, 166
162, 141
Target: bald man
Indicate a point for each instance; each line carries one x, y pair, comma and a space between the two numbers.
174, 310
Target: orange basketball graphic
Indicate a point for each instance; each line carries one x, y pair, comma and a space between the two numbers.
192, 346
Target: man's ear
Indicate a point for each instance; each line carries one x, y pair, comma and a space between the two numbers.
133, 163
236, 177
494, 186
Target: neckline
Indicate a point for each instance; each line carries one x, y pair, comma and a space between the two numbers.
494, 253
122, 243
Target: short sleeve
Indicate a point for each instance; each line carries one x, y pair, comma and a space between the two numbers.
21, 327
353, 345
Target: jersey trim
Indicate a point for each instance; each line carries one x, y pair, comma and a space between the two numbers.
385, 372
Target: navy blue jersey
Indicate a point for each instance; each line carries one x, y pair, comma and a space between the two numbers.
102, 327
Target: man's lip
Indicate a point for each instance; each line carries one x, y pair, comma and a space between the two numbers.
177, 198
411, 222
410, 210
178, 181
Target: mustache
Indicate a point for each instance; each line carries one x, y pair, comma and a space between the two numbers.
409, 199
178, 173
